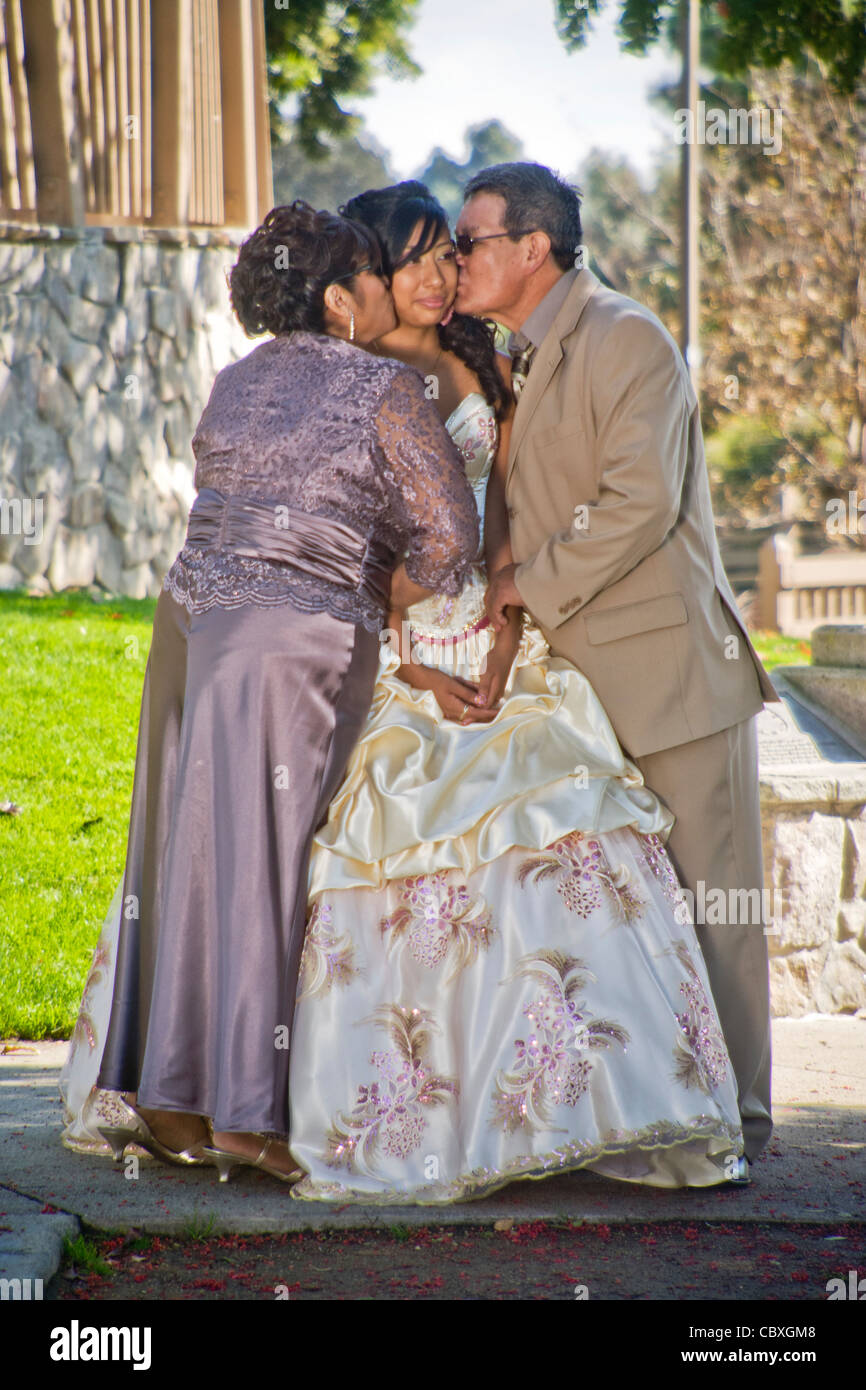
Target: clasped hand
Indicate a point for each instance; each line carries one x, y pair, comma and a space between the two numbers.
502, 594
471, 702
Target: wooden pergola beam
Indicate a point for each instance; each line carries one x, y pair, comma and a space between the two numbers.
193, 74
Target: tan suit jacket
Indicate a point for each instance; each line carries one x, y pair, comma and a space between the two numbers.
612, 526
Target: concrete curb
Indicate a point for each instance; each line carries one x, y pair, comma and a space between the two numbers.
31, 1243
812, 1173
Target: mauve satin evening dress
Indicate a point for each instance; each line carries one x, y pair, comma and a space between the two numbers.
319, 467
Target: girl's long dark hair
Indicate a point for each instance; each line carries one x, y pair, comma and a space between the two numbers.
392, 214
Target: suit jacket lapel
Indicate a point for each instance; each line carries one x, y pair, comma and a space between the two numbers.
547, 358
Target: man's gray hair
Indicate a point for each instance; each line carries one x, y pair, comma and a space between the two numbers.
536, 199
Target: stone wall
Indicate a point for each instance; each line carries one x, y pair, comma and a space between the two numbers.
813, 808
815, 862
109, 342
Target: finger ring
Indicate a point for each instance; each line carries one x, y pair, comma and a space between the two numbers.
465, 711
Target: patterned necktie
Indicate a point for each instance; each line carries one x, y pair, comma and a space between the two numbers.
520, 363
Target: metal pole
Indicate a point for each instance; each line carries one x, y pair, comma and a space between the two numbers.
689, 182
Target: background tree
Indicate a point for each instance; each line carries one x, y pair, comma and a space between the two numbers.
631, 230
348, 165
322, 51
749, 33
783, 295
784, 290
489, 143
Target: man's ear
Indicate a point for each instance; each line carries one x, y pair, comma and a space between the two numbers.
538, 249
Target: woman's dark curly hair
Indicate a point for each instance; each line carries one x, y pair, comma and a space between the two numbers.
392, 214
284, 267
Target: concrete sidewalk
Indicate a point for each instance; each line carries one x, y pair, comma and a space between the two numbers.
813, 1172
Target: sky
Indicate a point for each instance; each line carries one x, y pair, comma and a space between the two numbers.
486, 59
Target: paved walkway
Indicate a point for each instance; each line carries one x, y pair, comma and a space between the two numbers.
813, 1172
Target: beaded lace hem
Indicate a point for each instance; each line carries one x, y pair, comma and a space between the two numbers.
568, 1158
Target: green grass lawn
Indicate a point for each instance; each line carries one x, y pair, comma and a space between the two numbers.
776, 650
72, 676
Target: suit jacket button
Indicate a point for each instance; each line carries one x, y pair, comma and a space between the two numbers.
512, 513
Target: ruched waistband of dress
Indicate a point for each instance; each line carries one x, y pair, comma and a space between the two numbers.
316, 545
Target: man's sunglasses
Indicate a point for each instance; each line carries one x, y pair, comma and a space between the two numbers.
464, 243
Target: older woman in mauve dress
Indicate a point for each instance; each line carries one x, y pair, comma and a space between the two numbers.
318, 466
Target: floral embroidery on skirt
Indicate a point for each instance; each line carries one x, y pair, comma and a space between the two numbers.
581, 867
438, 915
551, 1067
390, 1112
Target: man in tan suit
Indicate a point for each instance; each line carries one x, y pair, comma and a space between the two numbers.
616, 559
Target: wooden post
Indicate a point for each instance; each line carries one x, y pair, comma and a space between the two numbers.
207, 203
26, 173
18, 195
146, 152
171, 89
121, 83
49, 63
264, 167
138, 82
241, 53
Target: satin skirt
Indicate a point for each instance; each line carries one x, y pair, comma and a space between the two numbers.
248, 718
499, 978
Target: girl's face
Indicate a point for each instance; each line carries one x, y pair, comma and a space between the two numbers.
426, 286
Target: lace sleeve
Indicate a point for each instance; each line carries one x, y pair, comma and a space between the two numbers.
431, 498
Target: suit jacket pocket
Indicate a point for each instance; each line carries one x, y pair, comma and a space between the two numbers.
629, 619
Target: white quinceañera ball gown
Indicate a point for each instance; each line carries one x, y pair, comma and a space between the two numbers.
499, 979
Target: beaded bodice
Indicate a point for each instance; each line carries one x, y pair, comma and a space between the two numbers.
474, 430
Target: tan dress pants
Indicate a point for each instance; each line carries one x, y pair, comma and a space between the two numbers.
711, 785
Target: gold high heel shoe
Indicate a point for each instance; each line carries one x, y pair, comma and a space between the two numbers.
138, 1131
225, 1160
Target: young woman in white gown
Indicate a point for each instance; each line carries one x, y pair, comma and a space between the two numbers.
499, 979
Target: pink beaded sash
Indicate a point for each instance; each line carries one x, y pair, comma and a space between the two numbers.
316, 545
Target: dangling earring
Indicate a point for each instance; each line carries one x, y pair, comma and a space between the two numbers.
351, 327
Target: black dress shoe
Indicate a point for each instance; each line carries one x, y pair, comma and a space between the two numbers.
733, 1170
739, 1176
